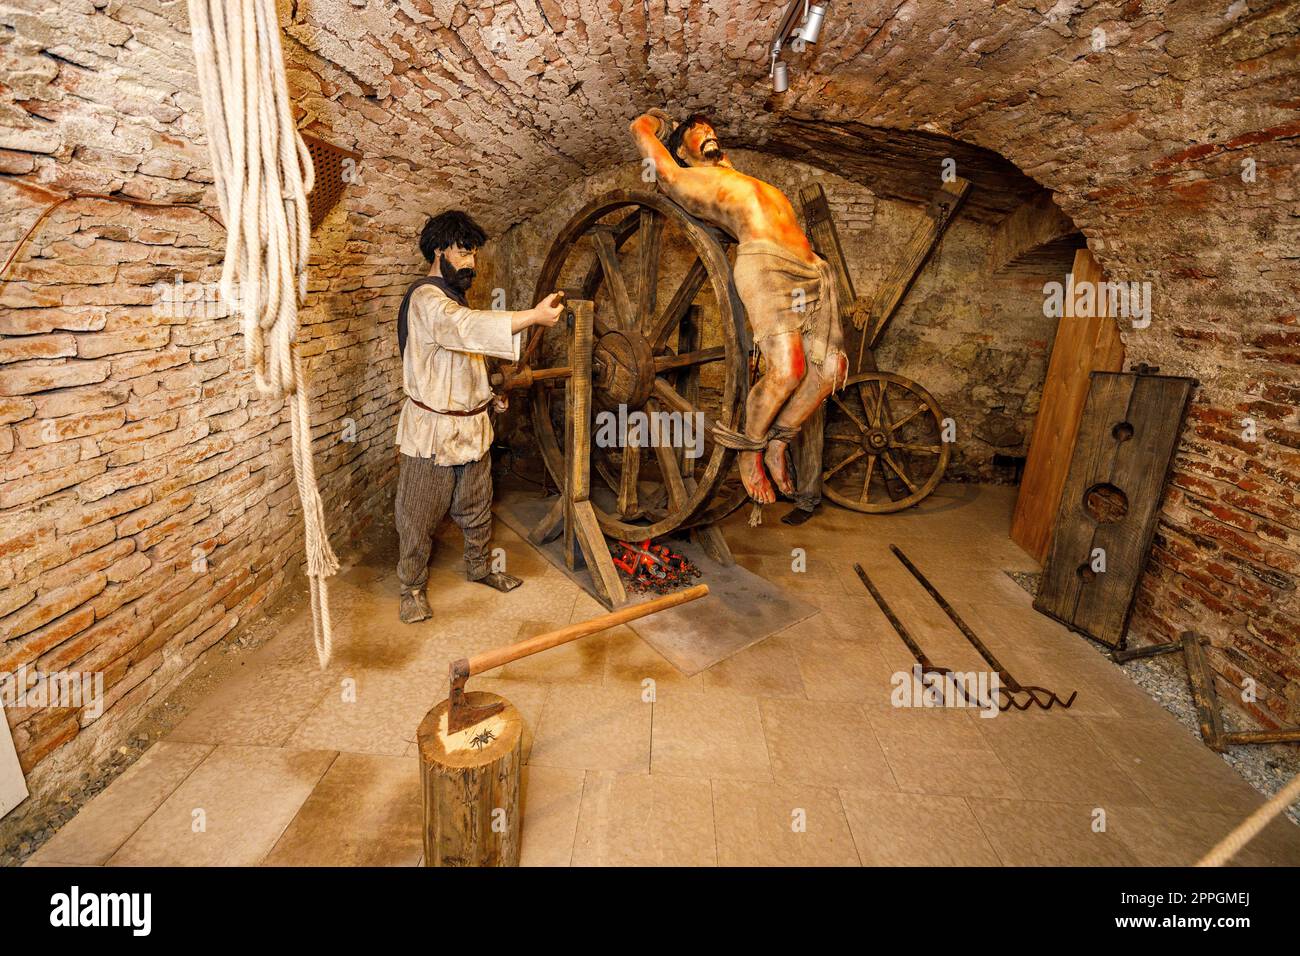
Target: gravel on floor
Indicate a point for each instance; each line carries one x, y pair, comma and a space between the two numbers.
1266, 767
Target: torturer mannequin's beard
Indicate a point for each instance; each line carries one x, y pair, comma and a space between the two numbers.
458, 279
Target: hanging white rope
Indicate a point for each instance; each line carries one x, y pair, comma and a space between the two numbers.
1249, 828
263, 173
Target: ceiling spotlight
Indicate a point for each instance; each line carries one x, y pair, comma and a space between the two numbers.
811, 28
780, 76
809, 18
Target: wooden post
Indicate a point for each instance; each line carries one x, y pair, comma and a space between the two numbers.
470, 785
1204, 696
1082, 345
575, 514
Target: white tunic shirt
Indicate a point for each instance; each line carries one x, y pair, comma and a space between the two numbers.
445, 367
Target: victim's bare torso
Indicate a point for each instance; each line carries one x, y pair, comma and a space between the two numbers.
748, 208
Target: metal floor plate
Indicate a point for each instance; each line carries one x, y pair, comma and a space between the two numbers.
740, 610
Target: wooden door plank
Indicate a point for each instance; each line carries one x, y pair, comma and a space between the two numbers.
1082, 345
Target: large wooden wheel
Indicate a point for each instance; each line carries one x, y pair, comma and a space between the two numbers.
884, 449
653, 353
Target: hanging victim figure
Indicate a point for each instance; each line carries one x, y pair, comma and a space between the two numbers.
788, 291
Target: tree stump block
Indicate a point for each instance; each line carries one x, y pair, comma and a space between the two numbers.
470, 784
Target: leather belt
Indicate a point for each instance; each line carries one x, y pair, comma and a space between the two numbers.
459, 414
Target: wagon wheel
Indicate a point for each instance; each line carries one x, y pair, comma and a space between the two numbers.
651, 354
884, 447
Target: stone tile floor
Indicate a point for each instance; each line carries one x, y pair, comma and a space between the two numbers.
788, 753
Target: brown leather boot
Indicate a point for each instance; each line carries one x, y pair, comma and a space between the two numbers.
500, 581
414, 607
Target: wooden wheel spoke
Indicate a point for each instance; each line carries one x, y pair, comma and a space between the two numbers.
851, 439
857, 421
666, 455
907, 418
657, 334
898, 470
602, 238
674, 401
920, 449
627, 481
649, 240
867, 396
866, 482
845, 463
606, 474
665, 362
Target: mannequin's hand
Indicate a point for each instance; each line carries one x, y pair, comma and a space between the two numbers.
666, 124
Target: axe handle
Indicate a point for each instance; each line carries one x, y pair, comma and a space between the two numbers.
504, 655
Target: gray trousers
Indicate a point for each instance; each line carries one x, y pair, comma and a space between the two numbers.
425, 493
806, 452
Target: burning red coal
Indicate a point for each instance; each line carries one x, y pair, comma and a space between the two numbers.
652, 567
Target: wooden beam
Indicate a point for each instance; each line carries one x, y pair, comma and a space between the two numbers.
602, 238
939, 213
1204, 696
1083, 345
825, 238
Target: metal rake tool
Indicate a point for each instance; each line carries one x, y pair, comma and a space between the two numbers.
1040, 696
928, 666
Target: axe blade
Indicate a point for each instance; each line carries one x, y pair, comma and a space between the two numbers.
462, 715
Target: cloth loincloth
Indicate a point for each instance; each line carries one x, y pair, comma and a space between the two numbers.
782, 294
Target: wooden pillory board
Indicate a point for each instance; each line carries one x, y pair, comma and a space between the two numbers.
1127, 437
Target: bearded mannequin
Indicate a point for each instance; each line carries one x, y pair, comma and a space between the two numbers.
444, 432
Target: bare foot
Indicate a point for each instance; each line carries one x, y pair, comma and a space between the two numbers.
755, 478
774, 459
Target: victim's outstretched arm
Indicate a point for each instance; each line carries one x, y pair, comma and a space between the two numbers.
646, 130
694, 188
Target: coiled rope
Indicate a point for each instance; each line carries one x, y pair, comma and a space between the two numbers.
263, 173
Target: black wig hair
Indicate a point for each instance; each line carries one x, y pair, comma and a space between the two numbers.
451, 228
679, 134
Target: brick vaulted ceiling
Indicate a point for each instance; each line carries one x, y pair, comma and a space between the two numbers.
508, 102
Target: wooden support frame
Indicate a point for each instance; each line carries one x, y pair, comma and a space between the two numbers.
940, 212
1209, 715
870, 320
1204, 695
573, 515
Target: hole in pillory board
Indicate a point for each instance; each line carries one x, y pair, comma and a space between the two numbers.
1105, 503
328, 160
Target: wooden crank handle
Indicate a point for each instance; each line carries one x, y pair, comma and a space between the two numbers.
504, 655
524, 378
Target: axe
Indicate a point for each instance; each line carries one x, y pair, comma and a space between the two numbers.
462, 715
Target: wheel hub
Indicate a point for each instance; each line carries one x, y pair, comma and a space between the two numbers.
875, 440
624, 372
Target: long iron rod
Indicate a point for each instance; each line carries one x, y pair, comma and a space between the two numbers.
993, 662
927, 665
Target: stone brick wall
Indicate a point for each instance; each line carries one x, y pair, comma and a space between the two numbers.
1143, 139
147, 507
